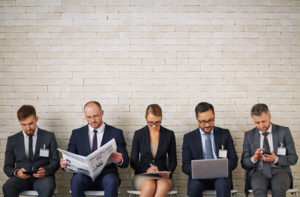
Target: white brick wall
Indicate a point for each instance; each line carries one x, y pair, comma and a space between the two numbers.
59, 54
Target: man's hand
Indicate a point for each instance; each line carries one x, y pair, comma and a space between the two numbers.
40, 174
117, 157
20, 174
269, 158
63, 163
257, 155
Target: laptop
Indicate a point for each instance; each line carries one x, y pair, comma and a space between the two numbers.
209, 168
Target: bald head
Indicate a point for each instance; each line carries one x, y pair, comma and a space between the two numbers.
93, 114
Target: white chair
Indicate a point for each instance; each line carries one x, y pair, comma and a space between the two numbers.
32, 193
213, 192
92, 193
293, 192
137, 192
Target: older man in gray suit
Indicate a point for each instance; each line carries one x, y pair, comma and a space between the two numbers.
31, 158
268, 152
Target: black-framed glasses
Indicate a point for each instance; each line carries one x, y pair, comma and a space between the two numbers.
204, 122
151, 123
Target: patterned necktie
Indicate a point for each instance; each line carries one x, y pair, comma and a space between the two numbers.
30, 148
95, 144
267, 172
208, 147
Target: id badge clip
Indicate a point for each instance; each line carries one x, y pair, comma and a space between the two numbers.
222, 153
44, 152
281, 150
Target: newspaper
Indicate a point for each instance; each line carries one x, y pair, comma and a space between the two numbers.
92, 164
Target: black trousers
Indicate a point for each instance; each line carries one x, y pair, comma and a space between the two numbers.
44, 186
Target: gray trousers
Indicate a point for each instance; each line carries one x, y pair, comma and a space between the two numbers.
44, 186
279, 183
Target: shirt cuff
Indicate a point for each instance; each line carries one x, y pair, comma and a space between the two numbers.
15, 172
276, 160
120, 162
254, 162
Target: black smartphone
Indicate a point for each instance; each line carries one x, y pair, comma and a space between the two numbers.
266, 153
30, 172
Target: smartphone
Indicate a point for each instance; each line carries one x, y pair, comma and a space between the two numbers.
30, 172
266, 153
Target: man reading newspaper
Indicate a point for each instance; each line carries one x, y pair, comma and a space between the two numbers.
88, 139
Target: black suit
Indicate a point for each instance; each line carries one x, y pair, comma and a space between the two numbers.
15, 158
141, 155
192, 150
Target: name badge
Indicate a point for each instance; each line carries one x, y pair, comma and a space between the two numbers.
44, 152
281, 151
222, 153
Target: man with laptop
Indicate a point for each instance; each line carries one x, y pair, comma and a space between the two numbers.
215, 146
268, 152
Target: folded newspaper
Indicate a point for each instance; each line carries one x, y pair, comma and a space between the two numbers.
92, 164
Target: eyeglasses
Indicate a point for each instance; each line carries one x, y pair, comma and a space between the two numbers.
150, 123
204, 122
93, 117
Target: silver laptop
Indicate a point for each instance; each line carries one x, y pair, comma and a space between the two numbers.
209, 168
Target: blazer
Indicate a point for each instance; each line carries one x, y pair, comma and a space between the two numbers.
141, 155
15, 157
192, 149
251, 143
79, 144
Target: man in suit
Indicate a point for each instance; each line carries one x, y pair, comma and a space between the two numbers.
268, 152
31, 158
87, 139
205, 143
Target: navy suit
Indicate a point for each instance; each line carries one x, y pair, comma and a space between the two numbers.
192, 150
108, 180
141, 155
15, 158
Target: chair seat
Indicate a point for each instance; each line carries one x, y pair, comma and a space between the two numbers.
137, 192
290, 191
93, 192
31, 193
213, 192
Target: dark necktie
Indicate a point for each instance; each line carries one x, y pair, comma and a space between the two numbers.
30, 148
208, 147
266, 165
95, 144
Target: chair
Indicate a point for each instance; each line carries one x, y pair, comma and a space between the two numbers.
92, 193
213, 192
32, 193
293, 192
137, 192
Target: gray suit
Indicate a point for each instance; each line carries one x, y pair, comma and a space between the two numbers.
15, 158
280, 135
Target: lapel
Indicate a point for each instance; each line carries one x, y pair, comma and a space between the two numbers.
197, 141
217, 138
20, 145
38, 143
85, 140
147, 141
256, 139
275, 136
160, 141
106, 134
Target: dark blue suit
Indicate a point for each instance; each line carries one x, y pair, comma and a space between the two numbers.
192, 150
108, 180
